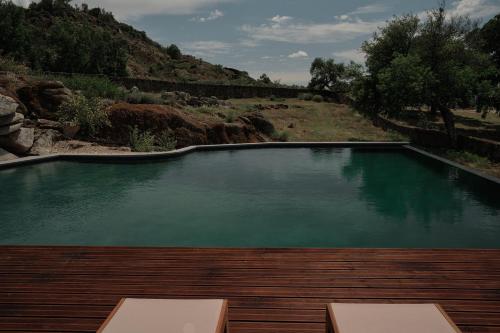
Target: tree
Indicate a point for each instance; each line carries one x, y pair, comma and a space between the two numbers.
174, 52
490, 35
412, 63
325, 74
265, 79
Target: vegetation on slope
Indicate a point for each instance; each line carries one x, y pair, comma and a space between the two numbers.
53, 35
440, 62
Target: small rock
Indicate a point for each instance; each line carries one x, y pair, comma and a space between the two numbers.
29, 123
13, 118
18, 142
6, 156
260, 123
8, 129
70, 130
49, 124
8, 106
50, 84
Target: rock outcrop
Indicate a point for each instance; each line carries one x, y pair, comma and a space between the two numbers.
43, 98
180, 99
18, 142
13, 137
187, 130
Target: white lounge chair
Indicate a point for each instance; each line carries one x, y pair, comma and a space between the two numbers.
388, 318
167, 315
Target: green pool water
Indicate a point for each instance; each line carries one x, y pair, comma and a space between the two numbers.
253, 198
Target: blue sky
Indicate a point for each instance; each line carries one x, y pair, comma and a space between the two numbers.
278, 37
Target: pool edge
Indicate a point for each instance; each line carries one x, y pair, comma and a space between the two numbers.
236, 146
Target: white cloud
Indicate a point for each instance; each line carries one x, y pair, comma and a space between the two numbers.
355, 55
309, 33
298, 54
214, 15
280, 19
369, 9
474, 8
206, 48
342, 17
132, 9
288, 77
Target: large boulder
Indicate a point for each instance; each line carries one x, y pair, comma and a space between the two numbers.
9, 129
155, 119
18, 142
188, 131
260, 123
14, 118
8, 106
44, 141
43, 98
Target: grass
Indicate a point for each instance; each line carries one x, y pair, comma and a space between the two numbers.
90, 86
311, 121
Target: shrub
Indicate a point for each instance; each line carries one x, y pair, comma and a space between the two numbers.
166, 141
318, 99
138, 97
174, 52
280, 136
467, 158
89, 113
276, 99
89, 85
141, 141
10, 65
306, 96
231, 116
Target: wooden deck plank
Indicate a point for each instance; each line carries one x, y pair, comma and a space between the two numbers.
72, 289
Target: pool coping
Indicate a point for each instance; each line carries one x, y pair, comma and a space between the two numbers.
262, 145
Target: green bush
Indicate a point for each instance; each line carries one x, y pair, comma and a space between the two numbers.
89, 113
89, 85
280, 136
318, 99
174, 52
138, 97
306, 96
468, 158
231, 116
141, 141
9, 65
276, 99
166, 141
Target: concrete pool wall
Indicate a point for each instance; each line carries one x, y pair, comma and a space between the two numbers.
159, 156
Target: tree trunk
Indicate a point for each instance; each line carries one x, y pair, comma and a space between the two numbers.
433, 110
449, 123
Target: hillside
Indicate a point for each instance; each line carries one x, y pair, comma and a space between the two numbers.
53, 35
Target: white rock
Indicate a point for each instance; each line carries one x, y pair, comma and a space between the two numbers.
44, 141
18, 142
7, 105
9, 129
13, 118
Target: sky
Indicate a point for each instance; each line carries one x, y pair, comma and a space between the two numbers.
277, 37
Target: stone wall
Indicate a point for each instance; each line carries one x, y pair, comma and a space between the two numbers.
220, 90
438, 139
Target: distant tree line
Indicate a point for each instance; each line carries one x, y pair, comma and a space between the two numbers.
47, 37
440, 62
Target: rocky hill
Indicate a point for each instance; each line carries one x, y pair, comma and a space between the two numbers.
53, 35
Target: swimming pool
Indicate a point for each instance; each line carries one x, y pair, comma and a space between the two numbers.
295, 197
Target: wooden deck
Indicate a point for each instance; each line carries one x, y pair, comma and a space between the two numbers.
72, 289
